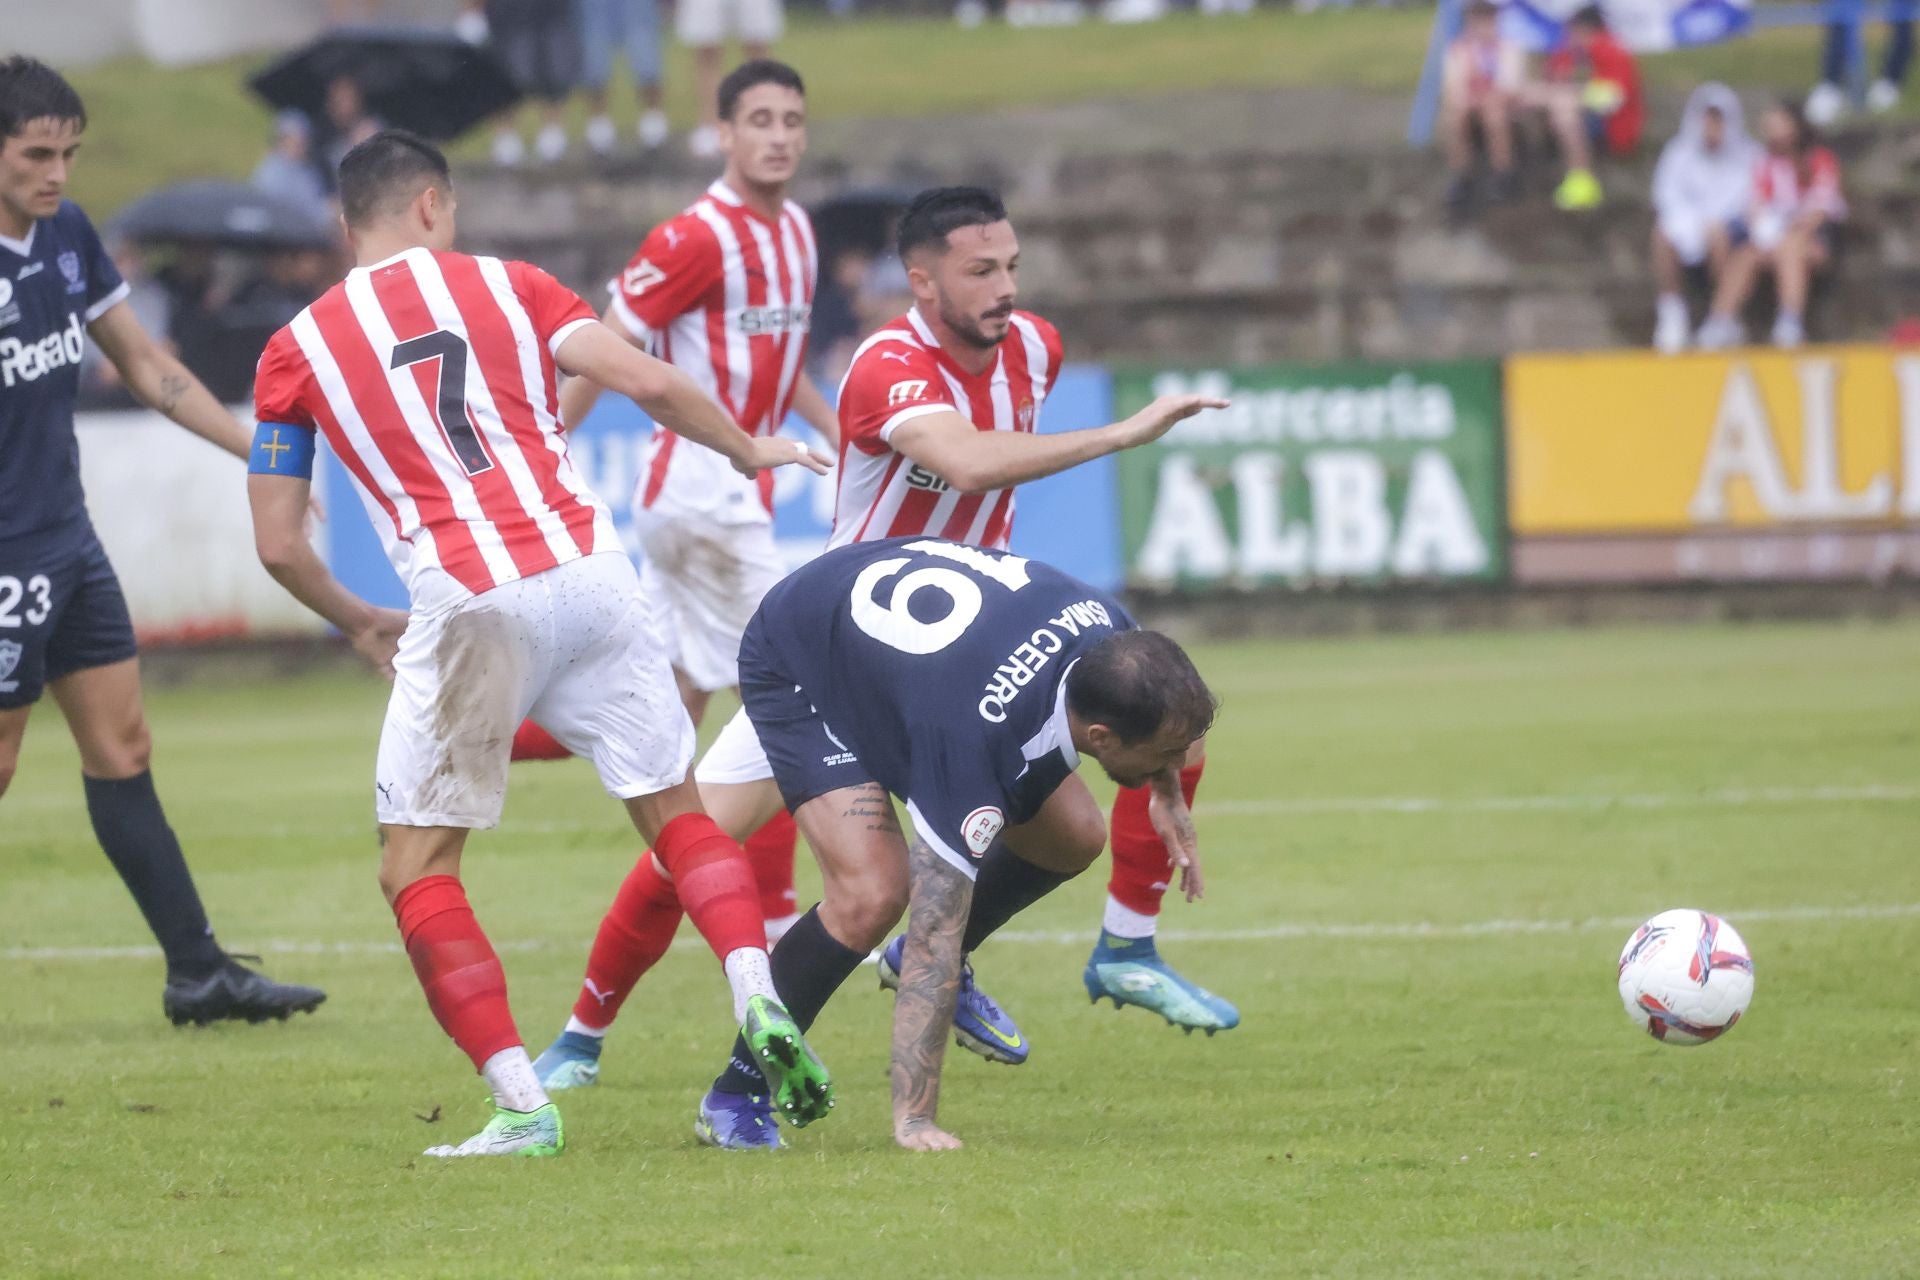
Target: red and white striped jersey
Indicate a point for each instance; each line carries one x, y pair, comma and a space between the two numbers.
727, 296
900, 373
432, 377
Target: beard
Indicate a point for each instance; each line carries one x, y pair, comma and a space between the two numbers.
972, 329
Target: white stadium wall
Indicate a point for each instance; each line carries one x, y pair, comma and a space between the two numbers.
172, 512
178, 32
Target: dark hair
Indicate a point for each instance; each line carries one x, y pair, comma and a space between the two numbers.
1589, 17
31, 90
1482, 9
756, 71
382, 174
1805, 136
937, 213
1136, 682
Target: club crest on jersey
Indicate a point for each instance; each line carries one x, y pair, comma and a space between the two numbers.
9, 313
1024, 414
70, 268
979, 829
10, 652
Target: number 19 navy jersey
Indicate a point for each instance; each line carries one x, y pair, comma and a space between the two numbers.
941, 667
53, 285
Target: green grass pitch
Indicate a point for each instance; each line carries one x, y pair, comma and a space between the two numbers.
1425, 853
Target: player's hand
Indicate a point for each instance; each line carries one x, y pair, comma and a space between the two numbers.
764, 452
1159, 417
1173, 823
379, 640
916, 1133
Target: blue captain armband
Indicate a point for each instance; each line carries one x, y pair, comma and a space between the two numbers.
282, 450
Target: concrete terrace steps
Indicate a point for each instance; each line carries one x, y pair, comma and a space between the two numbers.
1241, 253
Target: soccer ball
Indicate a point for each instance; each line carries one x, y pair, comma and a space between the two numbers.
1685, 977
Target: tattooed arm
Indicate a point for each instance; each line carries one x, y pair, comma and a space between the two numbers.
1173, 823
158, 380
929, 985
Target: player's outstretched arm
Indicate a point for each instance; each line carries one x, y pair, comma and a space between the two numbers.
929, 987
279, 536
597, 353
579, 395
975, 461
158, 380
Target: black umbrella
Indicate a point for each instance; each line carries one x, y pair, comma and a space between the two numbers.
862, 218
225, 213
426, 80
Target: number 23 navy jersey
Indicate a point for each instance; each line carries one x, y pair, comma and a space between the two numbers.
941, 667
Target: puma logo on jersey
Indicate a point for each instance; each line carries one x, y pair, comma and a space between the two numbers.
901, 356
902, 392
674, 236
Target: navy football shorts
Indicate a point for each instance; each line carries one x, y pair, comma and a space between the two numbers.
61, 611
806, 757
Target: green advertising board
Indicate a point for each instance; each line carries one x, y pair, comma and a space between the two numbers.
1324, 474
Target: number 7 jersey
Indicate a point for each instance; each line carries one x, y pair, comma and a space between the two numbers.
432, 376
942, 667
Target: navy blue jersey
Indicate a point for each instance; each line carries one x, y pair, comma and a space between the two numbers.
53, 285
942, 668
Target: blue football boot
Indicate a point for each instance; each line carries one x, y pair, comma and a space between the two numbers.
571, 1062
738, 1122
978, 1023
1130, 971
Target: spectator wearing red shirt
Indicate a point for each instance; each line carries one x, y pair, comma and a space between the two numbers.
1788, 230
1592, 98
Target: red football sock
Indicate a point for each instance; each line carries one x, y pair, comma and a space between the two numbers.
465, 985
1141, 867
714, 882
770, 852
636, 932
531, 742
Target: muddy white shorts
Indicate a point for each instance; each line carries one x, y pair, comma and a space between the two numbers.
707, 578
702, 24
577, 647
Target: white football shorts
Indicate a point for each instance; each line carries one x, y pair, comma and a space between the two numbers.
707, 578
736, 756
577, 647
705, 23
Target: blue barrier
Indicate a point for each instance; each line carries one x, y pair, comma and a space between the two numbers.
1071, 520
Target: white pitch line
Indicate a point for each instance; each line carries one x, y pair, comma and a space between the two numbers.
1417, 930
1734, 798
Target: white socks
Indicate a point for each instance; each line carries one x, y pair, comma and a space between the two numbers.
749, 975
1124, 922
578, 1027
509, 1073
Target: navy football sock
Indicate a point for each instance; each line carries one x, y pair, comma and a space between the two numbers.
808, 965
1007, 885
128, 822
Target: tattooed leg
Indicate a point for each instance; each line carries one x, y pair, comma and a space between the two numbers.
929, 985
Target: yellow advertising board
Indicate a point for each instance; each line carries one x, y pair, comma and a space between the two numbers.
1633, 442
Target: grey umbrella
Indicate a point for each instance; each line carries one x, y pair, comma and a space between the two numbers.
232, 214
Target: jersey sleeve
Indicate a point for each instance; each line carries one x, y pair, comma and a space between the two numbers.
556, 310
677, 264
105, 288
955, 797
280, 384
1056, 351
893, 381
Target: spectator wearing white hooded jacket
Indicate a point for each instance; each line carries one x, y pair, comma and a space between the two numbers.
1702, 185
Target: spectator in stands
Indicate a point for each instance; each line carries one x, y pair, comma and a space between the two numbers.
1482, 73
539, 40
1788, 230
347, 125
704, 26
1591, 97
607, 25
1828, 101
1701, 187
288, 169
